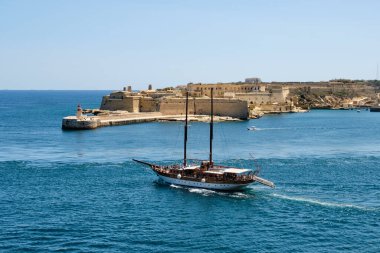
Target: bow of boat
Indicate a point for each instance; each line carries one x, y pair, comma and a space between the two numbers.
145, 163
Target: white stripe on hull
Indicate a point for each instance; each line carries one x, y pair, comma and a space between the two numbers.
196, 184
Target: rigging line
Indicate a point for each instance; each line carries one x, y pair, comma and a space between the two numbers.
201, 142
228, 143
255, 164
178, 128
225, 139
185, 134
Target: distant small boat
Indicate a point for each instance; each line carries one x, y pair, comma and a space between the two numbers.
358, 110
251, 128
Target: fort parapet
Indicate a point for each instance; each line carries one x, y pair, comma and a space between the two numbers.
201, 106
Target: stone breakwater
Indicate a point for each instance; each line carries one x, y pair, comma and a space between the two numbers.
92, 122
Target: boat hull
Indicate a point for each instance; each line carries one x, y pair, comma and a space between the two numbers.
204, 185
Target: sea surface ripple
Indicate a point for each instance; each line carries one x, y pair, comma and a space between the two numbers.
79, 191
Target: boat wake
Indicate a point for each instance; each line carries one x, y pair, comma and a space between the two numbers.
203, 192
207, 192
176, 186
248, 194
323, 203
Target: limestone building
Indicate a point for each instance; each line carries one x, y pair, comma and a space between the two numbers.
134, 102
171, 102
201, 106
252, 91
231, 99
199, 90
274, 95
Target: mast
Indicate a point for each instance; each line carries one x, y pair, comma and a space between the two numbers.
185, 135
211, 125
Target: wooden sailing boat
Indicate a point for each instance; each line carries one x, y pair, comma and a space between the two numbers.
206, 175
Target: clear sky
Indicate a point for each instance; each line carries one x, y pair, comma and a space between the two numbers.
78, 44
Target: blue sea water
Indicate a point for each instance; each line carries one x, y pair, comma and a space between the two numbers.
79, 191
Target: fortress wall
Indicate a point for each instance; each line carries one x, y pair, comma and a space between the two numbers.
104, 102
135, 104
255, 98
219, 89
113, 104
148, 104
271, 107
279, 94
176, 106
222, 107
130, 104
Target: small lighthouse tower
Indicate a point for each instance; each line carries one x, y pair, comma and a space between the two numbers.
79, 112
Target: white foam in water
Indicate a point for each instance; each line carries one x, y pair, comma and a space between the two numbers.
239, 195
176, 186
204, 192
322, 203
207, 192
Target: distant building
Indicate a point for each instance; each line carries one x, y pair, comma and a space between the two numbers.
126, 100
201, 106
253, 80
252, 92
199, 90
170, 100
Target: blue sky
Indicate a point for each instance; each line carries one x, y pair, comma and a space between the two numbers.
78, 44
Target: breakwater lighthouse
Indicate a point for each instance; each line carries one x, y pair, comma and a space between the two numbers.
79, 112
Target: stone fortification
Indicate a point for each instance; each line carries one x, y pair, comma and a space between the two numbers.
251, 98
260, 96
231, 99
149, 104
277, 94
257, 92
130, 102
201, 106
121, 100
168, 104
200, 90
253, 92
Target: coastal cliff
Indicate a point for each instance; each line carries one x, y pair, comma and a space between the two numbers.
342, 94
